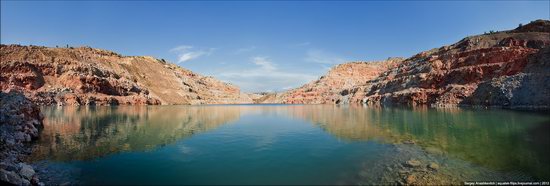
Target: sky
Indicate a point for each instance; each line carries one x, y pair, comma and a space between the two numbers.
260, 46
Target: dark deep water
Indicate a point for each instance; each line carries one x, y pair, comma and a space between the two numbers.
288, 144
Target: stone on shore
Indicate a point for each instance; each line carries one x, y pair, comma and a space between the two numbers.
27, 171
10, 177
20, 121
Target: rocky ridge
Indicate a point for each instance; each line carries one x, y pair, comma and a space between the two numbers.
504, 69
88, 76
463, 73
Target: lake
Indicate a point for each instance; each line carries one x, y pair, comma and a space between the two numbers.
290, 144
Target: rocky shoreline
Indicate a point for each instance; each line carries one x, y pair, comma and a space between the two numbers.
20, 122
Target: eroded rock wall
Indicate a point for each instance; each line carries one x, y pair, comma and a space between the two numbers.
502, 69
88, 76
488, 70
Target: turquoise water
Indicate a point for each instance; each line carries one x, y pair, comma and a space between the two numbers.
288, 144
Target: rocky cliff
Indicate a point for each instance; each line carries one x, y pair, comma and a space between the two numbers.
505, 69
88, 76
496, 69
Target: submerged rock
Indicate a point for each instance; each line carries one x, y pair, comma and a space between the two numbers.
410, 179
409, 142
433, 166
413, 163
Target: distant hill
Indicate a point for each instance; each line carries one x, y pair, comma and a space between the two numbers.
337, 84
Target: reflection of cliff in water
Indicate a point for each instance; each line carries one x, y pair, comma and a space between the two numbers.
88, 132
499, 139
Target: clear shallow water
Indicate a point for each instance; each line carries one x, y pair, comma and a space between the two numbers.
287, 144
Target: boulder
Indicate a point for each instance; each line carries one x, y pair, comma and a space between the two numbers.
27, 171
433, 166
10, 177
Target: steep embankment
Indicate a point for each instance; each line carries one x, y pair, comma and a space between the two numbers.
20, 121
509, 69
88, 76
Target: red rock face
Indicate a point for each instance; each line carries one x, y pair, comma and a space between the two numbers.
87, 76
445, 80
450, 75
505, 64
22, 75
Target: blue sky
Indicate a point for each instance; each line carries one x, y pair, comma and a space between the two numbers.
261, 46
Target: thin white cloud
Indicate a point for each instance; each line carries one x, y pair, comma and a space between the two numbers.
264, 63
322, 57
303, 44
187, 53
245, 49
264, 76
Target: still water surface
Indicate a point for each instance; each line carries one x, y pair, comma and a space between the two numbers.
288, 144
